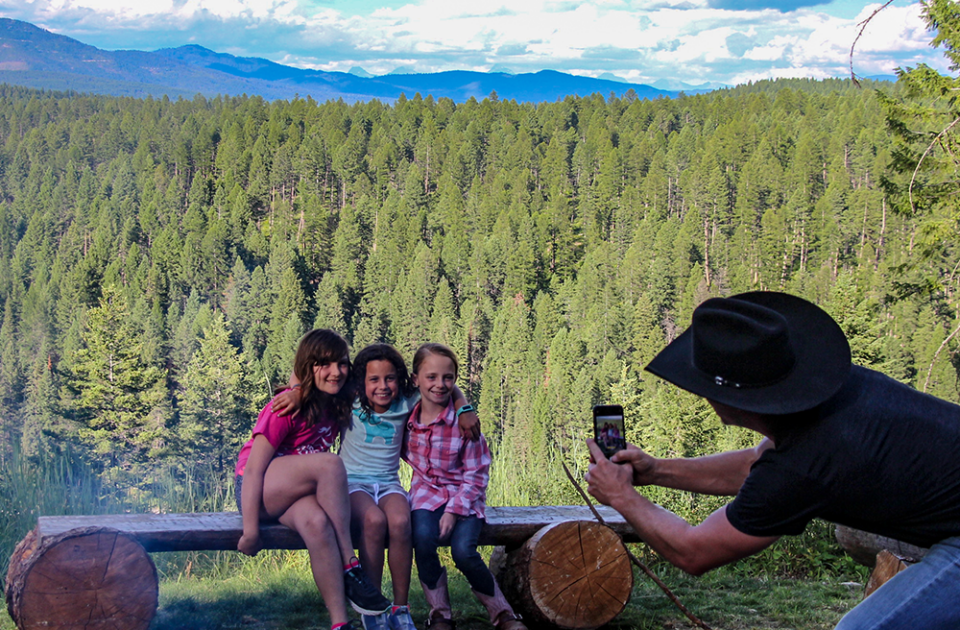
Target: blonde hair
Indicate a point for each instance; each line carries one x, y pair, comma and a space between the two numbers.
434, 348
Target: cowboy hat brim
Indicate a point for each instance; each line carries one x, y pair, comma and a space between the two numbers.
821, 367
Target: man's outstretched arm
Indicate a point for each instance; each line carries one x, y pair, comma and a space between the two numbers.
721, 474
693, 548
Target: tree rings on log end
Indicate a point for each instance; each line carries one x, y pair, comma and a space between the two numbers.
84, 579
571, 575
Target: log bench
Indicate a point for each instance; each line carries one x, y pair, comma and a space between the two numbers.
558, 565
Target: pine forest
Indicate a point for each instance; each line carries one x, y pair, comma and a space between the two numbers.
160, 259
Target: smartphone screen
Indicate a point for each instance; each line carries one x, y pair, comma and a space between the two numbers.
608, 429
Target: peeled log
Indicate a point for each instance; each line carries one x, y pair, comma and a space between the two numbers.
85, 579
571, 575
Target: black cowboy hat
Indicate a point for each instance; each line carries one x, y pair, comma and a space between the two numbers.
765, 352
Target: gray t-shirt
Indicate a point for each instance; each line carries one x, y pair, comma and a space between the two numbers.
370, 448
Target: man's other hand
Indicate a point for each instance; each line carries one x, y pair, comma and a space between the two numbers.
642, 464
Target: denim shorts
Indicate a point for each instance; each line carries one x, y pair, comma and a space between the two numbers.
237, 484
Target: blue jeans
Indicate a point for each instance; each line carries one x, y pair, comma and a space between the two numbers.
463, 546
925, 596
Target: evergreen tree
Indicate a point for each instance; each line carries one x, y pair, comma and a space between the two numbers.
121, 402
212, 402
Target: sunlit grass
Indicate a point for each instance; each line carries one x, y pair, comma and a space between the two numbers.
275, 591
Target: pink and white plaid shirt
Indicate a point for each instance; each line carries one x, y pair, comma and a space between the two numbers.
447, 469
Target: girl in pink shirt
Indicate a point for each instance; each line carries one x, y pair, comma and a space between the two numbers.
286, 473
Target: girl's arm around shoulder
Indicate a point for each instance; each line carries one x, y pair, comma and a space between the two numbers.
469, 421
287, 402
251, 494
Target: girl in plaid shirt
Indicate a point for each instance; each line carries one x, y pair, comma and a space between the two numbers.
448, 492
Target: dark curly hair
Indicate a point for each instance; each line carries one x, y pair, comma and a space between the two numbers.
380, 352
318, 347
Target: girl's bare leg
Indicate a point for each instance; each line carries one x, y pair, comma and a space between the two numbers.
371, 522
320, 475
309, 520
397, 509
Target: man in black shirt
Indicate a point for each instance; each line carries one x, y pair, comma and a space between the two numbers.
840, 442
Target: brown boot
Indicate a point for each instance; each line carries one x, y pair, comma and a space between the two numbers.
508, 620
439, 601
501, 614
440, 623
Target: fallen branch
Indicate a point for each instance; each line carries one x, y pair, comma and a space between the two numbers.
643, 567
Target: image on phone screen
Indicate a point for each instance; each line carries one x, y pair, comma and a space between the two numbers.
608, 428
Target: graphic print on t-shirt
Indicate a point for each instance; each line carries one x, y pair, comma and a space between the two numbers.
383, 430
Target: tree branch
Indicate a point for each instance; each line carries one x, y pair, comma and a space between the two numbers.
863, 26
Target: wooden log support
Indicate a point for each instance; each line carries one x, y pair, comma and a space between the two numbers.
864, 546
574, 574
83, 579
887, 565
90, 572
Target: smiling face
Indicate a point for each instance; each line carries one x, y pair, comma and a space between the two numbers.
435, 378
381, 384
331, 376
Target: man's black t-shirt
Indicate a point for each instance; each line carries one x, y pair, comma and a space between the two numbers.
878, 456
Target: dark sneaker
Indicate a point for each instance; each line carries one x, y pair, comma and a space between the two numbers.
365, 598
376, 622
401, 619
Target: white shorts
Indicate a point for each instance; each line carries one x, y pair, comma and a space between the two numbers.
376, 490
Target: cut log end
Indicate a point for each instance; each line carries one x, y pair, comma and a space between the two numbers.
94, 577
887, 565
572, 575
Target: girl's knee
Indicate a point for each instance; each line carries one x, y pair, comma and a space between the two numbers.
425, 545
465, 555
374, 522
317, 521
399, 525
331, 464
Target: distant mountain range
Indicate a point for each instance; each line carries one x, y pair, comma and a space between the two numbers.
33, 57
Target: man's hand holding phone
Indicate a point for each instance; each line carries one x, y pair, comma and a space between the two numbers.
606, 480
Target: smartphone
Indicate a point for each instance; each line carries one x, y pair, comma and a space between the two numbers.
608, 429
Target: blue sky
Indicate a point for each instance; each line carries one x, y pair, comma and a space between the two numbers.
643, 41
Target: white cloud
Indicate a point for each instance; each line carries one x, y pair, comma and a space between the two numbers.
637, 39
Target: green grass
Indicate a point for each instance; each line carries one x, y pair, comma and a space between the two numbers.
274, 591
278, 594
797, 583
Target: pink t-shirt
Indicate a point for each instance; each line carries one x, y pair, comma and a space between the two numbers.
290, 436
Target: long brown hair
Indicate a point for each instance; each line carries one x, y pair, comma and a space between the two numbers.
316, 348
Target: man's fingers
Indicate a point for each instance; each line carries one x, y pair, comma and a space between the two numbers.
595, 451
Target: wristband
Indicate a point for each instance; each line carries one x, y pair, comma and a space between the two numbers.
464, 409
295, 386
